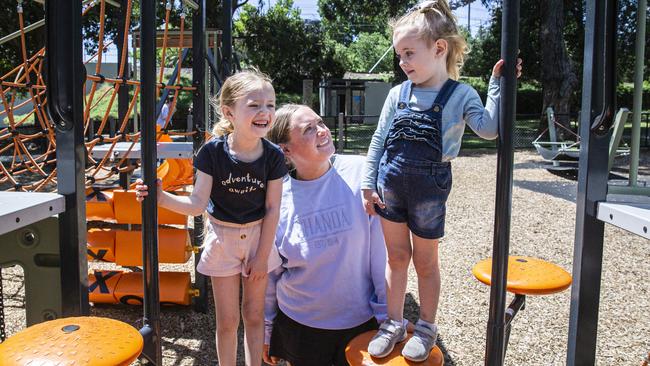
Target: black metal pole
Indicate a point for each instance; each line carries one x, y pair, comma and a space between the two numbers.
151, 329
65, 74
226, 40
198, 121
599, 74
495, 342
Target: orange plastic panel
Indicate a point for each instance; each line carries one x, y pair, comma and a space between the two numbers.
163, 137
173, 172
356, 353
129, 211
174, 288
99, 206
172, 247
101, 245
527, 276
88, 341
101, 286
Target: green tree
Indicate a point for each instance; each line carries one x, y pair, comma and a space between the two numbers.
362, 54
281, 44
344, 20
11, 51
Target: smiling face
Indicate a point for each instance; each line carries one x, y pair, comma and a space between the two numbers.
253, 114
310, 141
423, 62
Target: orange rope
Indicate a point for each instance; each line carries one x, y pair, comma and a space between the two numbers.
168, 9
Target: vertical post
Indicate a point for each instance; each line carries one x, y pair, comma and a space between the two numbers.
198, 120
65, 75
151, 328
136, 110
339, 132
226, 45
638, 90
598, 77
469, 11
495, 342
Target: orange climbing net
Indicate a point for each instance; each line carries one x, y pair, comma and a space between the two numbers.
28, 143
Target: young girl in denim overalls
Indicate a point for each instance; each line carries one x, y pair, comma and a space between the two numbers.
408, 173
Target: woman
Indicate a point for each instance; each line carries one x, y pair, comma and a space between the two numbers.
331, 284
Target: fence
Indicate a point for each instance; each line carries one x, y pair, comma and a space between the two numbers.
352, 135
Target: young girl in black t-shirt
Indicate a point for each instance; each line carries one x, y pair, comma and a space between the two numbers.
239, 185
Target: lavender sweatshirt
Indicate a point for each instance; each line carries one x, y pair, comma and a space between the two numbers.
333, 253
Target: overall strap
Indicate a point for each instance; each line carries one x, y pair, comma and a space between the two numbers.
404, 94
445, 93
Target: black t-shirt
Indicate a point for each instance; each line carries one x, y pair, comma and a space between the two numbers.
238, 188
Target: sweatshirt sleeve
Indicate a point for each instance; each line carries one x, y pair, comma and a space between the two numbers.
271, 303
484, 120
378, 269
376, 148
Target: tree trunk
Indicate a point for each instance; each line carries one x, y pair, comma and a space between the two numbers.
558, 78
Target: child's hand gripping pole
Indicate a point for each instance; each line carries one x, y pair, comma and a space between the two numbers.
141, 189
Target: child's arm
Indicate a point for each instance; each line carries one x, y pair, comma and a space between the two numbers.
485, 120
193, 204
376, 150
257, 267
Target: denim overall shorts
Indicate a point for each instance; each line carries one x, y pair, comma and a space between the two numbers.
412, 179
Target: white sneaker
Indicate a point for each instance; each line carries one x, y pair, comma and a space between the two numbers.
417, 349
390, 332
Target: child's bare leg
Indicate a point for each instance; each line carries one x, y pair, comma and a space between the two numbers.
253, 314
398, 245
425, 260
226, 303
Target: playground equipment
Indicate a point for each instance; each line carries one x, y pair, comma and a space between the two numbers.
593, 207
73, 341
85, 156
563, 155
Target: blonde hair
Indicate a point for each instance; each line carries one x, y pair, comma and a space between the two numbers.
234, 88
279, 132
433, 20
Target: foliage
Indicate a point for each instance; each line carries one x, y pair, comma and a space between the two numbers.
487, 41
281, 44
344, 20
362, 54
11, 52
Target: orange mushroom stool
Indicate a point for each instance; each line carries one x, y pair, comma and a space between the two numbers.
356, 353
527, 276
90, 341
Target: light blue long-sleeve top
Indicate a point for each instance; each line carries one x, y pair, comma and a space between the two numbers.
333, 253
464, 106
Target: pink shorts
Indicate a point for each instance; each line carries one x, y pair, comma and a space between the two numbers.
227, 247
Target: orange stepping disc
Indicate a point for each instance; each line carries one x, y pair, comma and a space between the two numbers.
356, 353
527, 276
88, 341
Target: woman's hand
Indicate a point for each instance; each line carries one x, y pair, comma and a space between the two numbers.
271, 360
257, 268
496, 70
370, 198
142, 191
